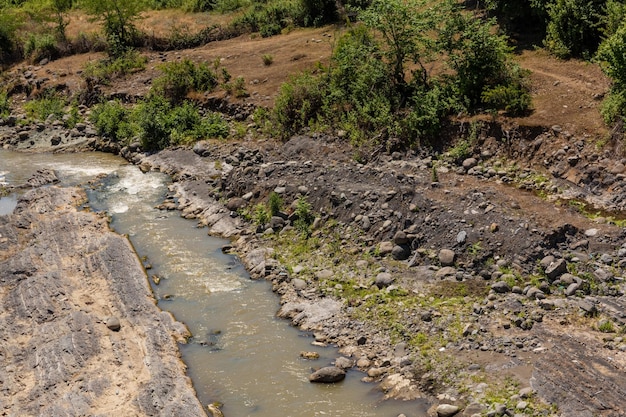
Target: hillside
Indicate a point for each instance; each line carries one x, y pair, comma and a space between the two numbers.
486, 272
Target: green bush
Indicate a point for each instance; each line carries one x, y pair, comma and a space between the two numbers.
304, 217
9, 23
318, 12
40, 46
107, 69
112, 120
614, 107
514, 99
270, 18
299, 101
160, 124
197, 6
180, 78
5, 104
117, 17
275, 203
612, 58
50, 104
575, 27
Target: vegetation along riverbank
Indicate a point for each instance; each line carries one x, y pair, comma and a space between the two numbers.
436, 187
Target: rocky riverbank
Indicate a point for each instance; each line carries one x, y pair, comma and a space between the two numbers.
81, 333
463, 289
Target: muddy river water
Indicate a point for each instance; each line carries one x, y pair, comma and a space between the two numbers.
240, 354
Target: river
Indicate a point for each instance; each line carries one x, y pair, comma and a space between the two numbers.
240, 355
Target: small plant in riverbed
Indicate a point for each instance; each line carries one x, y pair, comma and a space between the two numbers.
606, 326
268, 59
261, 215
5, 104
275, 203
49, 104
304, 217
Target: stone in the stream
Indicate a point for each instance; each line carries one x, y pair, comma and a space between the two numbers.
113, 323
328, 374
309, 355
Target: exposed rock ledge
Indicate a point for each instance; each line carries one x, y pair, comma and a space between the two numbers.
64, 280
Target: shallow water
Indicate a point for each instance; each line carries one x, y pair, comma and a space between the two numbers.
241, 355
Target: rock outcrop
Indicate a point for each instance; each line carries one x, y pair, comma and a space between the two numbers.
81, 334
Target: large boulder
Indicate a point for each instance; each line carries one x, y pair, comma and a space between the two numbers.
328, 374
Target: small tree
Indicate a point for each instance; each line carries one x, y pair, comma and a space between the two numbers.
59, 10
574, 27
118, 17
612, 58
405, 26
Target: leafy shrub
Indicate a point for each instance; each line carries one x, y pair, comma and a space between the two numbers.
198, 6
180, 78
299, 101
261, 215
160, 124
268, 59
275, 203
269, 18
304, 217
105, 70
8, 42
574, 27
40, 46
514, 99
5, 104
118, 17
49, 104
612, 58
112, 120
318, 12
237, 88
614, 107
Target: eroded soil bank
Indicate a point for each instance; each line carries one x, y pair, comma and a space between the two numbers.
81, 334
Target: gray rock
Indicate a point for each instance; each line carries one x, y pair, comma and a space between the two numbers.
447, 257
500, 287
571, 289
536, 293
461, 237
556, 269
328, 374
446, 410
400, 238
401, 252
606, 259
299, 284
602, 274
113, 323
469, 163
385, 248
384, 279
344, 363
236, 203
546, 261
446, 271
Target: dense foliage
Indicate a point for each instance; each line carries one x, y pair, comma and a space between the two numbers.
380, 82
379, 89
164, 117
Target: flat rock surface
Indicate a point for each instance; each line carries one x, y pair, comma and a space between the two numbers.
63, 274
